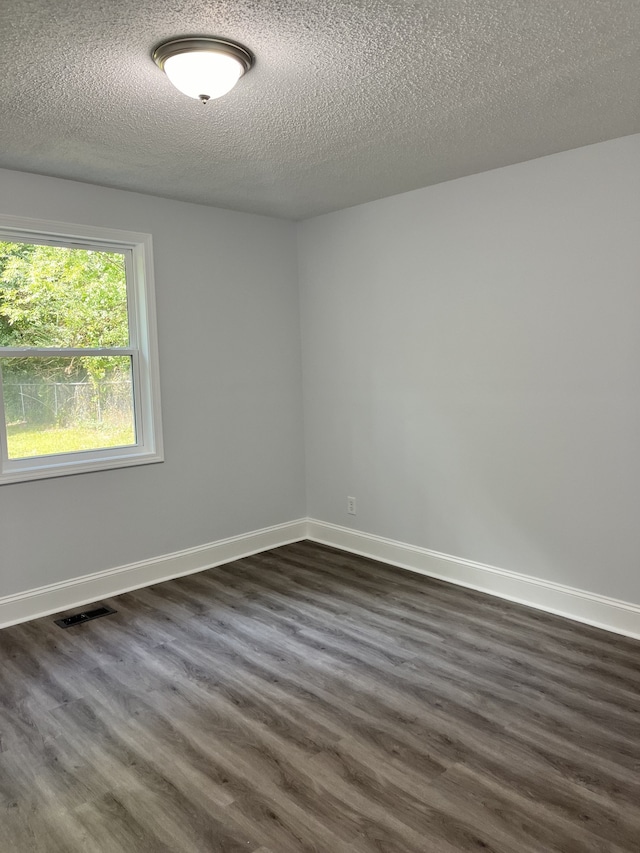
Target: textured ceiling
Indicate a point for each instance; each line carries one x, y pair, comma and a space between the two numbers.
347, 102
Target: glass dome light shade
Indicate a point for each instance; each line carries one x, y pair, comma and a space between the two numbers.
207, 74
203, 68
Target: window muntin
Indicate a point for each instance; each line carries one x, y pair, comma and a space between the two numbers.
79, 388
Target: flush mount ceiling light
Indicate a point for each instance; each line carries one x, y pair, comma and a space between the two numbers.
203, 68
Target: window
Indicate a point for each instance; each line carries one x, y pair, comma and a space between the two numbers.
79, 387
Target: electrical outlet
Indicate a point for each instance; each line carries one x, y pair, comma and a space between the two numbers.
351, 506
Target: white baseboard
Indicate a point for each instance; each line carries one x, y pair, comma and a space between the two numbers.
76, 592
610, 614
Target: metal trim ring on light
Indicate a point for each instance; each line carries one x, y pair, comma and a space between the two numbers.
197, 44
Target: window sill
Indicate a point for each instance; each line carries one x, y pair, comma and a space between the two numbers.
58, 467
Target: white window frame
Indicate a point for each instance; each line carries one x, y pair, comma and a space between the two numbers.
143, 350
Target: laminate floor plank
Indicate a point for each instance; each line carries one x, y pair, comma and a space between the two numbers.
612, 740
440, 624
620, 700
486, 612
307, 700
321, 634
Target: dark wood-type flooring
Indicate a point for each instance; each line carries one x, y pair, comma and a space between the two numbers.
305, 699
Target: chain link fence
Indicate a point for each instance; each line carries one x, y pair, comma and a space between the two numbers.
68, 403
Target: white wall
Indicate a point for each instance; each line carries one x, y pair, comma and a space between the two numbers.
229, 341
471, 375
471, 364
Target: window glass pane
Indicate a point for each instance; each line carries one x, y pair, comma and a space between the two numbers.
54, 296
64, 404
